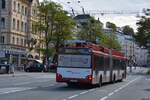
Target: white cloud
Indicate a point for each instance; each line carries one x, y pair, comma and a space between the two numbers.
121, 20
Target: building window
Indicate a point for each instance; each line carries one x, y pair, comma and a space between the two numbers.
15, 5
3, 22
34, 12
22, 42
25, 28
21, 26
25, 42
18, 7
22, 10
13, 40
18, 25
26, 11
3, 4
17, 41
2, 39
14, 23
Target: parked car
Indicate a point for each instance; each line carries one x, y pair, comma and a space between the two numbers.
50, 67
4, 68
35, 68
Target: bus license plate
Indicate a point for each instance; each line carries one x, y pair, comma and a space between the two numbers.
73, 81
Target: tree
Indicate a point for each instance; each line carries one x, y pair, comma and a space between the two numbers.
110, 41
64, 26
54, 26
128, 30
143, 35
111, 26
92, 31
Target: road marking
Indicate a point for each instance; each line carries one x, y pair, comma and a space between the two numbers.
73, 96
147, 79
48, 86
52, 85
104, 98
110, 94
84, 92
13, 90
24, 83
91, 90
116, 90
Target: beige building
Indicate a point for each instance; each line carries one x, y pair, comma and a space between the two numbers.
16, 29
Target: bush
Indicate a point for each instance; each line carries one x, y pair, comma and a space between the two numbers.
148, 72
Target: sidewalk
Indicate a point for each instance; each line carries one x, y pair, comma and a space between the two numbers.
137, 70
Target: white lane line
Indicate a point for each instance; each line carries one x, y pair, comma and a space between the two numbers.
24, 83
147, 79
13, 90
116, 90
104, 98
52, 85
110, 94
73, 96
91, 90
48, 86
80, 94
84, 92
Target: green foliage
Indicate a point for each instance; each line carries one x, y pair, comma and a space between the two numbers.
54, 26
111, 26
109, 41
148, 72
92, 31
128, 30
143, 34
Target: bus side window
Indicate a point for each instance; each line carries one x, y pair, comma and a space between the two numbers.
99, 62
114, 63
106, 60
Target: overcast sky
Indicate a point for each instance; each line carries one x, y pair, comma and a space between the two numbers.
109, 5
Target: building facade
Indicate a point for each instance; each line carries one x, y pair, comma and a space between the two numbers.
132, 51
17, 17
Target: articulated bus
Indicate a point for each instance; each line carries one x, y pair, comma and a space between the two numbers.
90, 64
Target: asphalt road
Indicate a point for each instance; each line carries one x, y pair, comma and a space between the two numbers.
42, 86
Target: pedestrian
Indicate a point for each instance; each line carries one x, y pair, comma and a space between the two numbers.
24, 67
12, 69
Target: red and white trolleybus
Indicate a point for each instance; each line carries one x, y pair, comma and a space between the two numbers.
87, 63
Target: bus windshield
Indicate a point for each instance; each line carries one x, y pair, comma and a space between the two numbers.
74, 58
